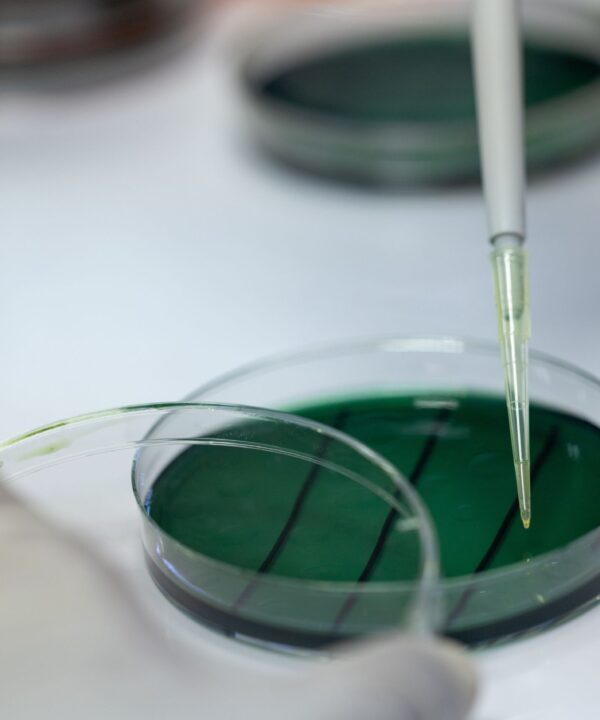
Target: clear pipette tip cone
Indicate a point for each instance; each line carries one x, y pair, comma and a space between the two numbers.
510, 273
524, 492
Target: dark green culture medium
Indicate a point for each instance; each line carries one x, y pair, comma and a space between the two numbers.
420, 79
455, 450
402, 109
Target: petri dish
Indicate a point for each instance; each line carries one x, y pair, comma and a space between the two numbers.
434, 407
234, 475
383, 93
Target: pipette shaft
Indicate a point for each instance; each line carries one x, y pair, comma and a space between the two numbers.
498, 80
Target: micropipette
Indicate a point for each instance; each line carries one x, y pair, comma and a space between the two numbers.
498, 82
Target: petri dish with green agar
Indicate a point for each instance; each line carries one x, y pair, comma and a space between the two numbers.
214, 486
382, 93
435, 409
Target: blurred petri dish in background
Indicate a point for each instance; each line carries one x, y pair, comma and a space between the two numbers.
382, 93
218, 488
50, 44
435, 408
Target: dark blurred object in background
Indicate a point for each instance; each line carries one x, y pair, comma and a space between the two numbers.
66, 42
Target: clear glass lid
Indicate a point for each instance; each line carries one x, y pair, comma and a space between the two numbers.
251, 519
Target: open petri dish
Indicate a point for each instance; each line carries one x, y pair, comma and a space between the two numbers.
252, 520
434, 408
382, 93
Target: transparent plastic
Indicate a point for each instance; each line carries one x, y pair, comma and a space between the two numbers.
79, 472
509, 262
492, 605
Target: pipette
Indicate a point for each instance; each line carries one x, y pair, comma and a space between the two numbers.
497, 59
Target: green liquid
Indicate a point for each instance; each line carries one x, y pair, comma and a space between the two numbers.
455, 451
425, 79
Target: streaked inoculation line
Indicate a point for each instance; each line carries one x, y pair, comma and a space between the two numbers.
496, 544
506, 524
294, 515
440, 425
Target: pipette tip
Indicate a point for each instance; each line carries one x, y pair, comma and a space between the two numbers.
510, 273
524, 492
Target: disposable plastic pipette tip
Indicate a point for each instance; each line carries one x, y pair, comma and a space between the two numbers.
524, 492
510, 274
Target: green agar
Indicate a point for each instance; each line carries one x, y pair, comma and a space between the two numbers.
416, 79
302, 521
203, 500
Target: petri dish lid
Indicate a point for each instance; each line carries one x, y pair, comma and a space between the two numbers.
383, 93
229, 481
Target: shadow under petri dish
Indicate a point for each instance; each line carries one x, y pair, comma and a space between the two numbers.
455, 450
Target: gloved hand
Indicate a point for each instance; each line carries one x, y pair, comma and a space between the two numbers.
74, 643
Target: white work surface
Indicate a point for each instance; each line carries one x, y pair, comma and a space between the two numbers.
146, 247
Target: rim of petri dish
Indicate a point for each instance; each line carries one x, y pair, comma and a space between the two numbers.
45, 455
461, 586
387, 343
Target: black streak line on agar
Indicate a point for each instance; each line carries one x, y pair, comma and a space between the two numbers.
424, 457
496, 544
293, 517
415, 476
375, 429
509, 518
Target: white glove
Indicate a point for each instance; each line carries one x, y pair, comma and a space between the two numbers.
108, 661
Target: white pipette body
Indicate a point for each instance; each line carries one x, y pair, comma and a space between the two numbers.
497, 56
